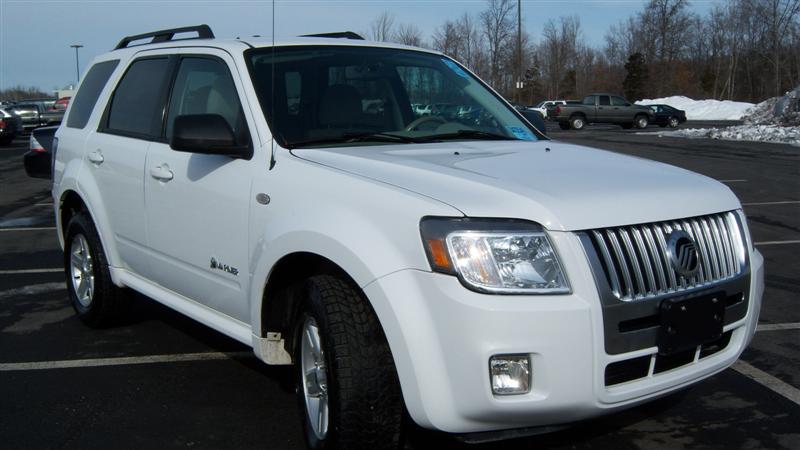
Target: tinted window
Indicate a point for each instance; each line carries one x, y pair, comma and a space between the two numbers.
618, 101
134, 106
93, 84
588, 100
604, 100
204, 86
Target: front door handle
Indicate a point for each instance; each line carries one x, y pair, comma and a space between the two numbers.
96, 157
161, 173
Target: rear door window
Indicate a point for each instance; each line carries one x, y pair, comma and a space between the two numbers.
93, 84
604, 100
137, 105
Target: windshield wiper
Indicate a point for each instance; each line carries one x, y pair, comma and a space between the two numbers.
470, 134
356, 137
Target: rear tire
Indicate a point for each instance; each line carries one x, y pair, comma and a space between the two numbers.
347, 386
674, 122
577, 122
94, 296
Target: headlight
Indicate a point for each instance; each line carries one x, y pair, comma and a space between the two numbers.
494, 255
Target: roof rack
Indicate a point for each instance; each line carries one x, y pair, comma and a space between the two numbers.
337, 35
203, 32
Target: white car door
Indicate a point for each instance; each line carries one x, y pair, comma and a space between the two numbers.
198, 204
116, 155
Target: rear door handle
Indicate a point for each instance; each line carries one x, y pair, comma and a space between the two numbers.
161, 173
96, 157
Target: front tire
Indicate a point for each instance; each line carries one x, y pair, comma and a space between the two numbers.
94, 296
641, 122
347, 386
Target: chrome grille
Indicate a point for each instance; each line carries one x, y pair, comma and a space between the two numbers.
637, 263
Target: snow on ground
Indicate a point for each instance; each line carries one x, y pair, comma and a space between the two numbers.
703, 109
757, 133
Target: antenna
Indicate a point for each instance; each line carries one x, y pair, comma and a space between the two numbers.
272, 94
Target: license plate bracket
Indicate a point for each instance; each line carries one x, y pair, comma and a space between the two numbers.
689, 322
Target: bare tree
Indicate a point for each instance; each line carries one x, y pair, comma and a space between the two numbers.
408, 34
559, 50
779, 18
382, 28
497, 26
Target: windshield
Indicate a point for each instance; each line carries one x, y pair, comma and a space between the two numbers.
329, 96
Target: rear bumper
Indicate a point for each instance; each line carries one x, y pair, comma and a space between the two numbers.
442, 336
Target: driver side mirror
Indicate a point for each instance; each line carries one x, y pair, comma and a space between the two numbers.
208, 134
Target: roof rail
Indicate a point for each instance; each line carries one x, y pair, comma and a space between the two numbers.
203, 32
337, 35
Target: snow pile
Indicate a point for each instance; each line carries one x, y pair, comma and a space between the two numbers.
762, 113
757, 133
703, 109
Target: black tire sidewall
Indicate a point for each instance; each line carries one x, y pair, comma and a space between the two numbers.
639, 120
575, 120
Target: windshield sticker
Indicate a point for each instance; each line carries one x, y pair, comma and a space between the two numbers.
521, 133
454, 67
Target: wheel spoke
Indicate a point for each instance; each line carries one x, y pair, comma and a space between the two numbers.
76, 261
81, 288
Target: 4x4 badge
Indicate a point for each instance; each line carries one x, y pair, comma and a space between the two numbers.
223, 267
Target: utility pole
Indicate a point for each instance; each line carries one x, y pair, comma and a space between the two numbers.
519, 52
77, 66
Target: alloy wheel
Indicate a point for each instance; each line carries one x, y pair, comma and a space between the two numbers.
82, 270
314, 378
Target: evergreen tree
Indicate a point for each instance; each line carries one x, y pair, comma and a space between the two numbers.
635, 77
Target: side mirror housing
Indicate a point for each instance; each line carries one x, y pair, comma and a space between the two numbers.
207, 134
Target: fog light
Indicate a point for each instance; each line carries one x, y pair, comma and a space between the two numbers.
510, 374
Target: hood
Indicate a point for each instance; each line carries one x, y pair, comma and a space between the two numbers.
561, 186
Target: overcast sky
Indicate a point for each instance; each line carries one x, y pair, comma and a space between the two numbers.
35, 36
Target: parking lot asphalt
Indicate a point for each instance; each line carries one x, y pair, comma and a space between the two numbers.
160, 380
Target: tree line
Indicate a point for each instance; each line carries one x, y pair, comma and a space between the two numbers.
746, 50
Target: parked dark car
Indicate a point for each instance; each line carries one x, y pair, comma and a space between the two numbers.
10, 126
602, 108
39, 159
665, 115
533, 116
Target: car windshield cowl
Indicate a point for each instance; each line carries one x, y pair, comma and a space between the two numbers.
389, 138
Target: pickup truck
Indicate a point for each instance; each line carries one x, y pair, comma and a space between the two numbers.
602, 108
38, 113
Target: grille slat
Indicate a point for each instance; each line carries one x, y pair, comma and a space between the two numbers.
637, 261
623, 264
657, 261
662, 250
611, 268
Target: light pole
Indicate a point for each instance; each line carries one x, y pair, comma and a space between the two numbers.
77, 66
519, 51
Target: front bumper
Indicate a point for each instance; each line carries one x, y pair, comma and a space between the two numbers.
442, 336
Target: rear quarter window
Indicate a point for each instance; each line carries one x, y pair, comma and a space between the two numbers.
93, 84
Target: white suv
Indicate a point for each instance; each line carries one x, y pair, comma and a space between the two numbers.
466, 269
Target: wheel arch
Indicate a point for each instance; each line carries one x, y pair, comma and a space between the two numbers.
73, 201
